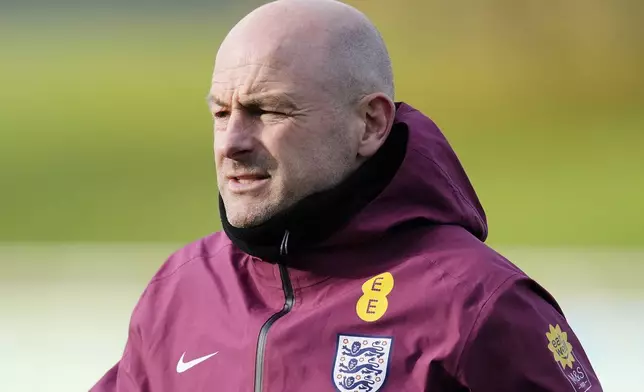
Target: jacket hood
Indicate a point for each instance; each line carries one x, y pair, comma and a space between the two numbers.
430, 185
414, 178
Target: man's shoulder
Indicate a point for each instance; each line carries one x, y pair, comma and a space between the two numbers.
469, 277
185, 272
478, 279
463, 273
204, 250
465, 259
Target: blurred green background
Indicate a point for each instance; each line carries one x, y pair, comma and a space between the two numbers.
106, 136
106, 157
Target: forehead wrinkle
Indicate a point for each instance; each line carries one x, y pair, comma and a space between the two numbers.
272, 80
253, 88
276, 98
266, 64
257, 68
256, 91
253, 80
268, 69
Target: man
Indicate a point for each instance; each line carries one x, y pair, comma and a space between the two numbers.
352, 257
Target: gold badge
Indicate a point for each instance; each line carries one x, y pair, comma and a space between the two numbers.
561, 349
565, 360
373, 304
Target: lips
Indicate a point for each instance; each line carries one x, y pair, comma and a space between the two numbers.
247, 182
248, 177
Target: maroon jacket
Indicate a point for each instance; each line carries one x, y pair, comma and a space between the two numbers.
404, 297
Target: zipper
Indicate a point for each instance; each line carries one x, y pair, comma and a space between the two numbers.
289, 301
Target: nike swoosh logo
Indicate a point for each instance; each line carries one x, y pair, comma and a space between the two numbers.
183, 366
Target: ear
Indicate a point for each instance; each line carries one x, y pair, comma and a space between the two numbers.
377, 111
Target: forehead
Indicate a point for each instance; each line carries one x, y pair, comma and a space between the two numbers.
252, 69
255, 85
251, 77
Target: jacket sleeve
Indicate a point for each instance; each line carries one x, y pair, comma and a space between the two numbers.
522, 342
129, 374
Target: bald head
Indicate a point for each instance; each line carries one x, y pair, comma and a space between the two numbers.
327, 42
302, 95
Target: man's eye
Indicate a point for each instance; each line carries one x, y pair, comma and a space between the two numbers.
258, 112
221, 114
255, 111
271, 113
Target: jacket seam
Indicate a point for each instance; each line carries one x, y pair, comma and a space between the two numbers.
160, 278
306, 286
478, 319
153, 281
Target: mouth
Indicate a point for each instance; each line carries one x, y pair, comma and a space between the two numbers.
246, 178
245, 183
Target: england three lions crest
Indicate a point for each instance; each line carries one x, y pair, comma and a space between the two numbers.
361, 363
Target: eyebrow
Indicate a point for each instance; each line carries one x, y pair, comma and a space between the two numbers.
213, 100
280, 101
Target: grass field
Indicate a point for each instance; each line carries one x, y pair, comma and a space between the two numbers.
65, 308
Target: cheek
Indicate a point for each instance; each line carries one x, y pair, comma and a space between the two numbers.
217, 139
309, 153
215, 154
217, 159
320, 163
294, 151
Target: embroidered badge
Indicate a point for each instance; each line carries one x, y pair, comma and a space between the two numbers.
562, 351
361, 363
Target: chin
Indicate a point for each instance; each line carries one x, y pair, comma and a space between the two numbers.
250, 213
241, 223
246, 216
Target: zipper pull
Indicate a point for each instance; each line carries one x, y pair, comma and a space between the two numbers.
284, 246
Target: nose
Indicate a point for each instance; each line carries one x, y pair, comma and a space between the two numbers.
237, 138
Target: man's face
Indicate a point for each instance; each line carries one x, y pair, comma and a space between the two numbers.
278, 136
